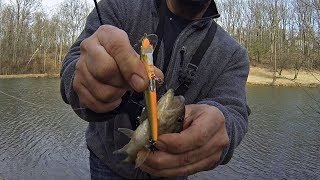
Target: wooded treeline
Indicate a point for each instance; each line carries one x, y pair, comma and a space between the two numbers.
278, 34
33, 40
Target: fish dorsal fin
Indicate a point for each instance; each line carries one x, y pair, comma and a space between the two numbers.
141, 158
127, 132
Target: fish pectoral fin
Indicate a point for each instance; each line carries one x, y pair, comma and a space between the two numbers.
128, 160
127, 132
141, 157
122, 150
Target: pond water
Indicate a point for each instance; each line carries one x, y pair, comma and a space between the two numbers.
41, 137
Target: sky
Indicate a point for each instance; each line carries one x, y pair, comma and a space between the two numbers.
47, 4
51, 3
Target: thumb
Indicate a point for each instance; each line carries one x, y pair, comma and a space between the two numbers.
117, 44
170, 143
159, 75
187, 140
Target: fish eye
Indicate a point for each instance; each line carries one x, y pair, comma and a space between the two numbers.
180, 119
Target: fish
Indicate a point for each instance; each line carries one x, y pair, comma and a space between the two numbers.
171, 111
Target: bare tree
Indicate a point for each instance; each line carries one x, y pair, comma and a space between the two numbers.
278, 34
30, 39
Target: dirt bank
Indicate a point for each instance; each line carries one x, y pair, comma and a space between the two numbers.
263, 76
29, 76
257, 76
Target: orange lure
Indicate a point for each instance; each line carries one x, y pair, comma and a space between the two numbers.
150, 94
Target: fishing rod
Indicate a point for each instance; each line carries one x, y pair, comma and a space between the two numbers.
98, 11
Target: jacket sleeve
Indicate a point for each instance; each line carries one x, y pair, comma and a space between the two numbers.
109, 16
228, 94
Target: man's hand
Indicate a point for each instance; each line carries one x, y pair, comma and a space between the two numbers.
197, 148
107, 68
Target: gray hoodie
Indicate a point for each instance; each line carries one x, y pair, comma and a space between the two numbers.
220, 79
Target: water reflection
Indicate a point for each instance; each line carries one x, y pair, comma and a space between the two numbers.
42, 138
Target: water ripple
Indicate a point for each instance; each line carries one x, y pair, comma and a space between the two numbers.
47, 139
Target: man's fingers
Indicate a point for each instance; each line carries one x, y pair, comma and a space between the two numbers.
205, 164
104, 92
189, 139
113, 61
108, 66
197, 134
163, 160
190, 115
197, 148
159, 74
117, 44
100, 64
89, 101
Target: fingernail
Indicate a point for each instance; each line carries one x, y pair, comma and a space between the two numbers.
137, 82
161, 146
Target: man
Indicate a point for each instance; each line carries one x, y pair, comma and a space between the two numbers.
102, 66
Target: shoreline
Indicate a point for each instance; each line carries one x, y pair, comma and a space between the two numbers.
257, 76
264, 76
23, 76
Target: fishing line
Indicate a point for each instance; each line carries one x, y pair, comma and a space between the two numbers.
310, 95
38, 105
18, 98
98, 11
